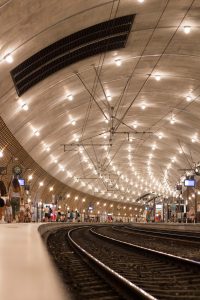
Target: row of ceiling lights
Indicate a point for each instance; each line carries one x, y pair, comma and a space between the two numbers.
118, 62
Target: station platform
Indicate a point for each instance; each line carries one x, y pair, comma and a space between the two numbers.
26, 269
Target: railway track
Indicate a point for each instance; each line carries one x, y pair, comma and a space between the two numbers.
77, 273
156, 275
187, 248
172, 234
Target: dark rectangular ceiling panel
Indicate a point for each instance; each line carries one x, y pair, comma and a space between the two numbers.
106, 36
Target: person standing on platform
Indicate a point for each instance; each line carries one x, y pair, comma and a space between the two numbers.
15, 197
8, 211
3, 193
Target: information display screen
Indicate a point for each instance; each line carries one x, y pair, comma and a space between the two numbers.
21, 181
189, 182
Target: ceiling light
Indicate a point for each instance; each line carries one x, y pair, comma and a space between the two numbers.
36, 132
48, 149
135, 125
194, 138
109, 98
140, 1
143, 106
106, 121
173, 159
187, 29
73, 122
41, 183
1, 153
180, 151
118, 62
70, 97
189, 98
172, 120
51, 188
160, 136
157, 77
30, 177
25, 106
55, 161
9, 58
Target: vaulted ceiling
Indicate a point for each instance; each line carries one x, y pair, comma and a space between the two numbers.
118, 124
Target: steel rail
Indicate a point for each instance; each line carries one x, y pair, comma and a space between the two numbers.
175, 234
132, 289
144, 249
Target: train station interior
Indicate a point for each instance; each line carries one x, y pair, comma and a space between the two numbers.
99, 149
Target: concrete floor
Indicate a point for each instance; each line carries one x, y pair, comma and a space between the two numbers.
26, 270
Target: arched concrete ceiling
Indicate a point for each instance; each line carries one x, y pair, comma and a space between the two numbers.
161, 116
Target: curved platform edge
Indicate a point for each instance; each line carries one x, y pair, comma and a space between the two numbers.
26, 269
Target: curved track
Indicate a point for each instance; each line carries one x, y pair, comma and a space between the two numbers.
154, 274
183, 245
96, 264
76, 271
172, 234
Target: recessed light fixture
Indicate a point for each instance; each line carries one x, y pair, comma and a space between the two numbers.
36, 133
70, 97
172, 119
9, 58
109, 98
160, 136
41, 183
118, 62
140, 1
157, 77
135, 124
25, 106
143, 106
1, 153
51, 189
194, 139
30, 177
187, 29
188, 98
73, 122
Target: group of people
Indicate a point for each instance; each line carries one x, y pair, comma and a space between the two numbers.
10, 203
60, 216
